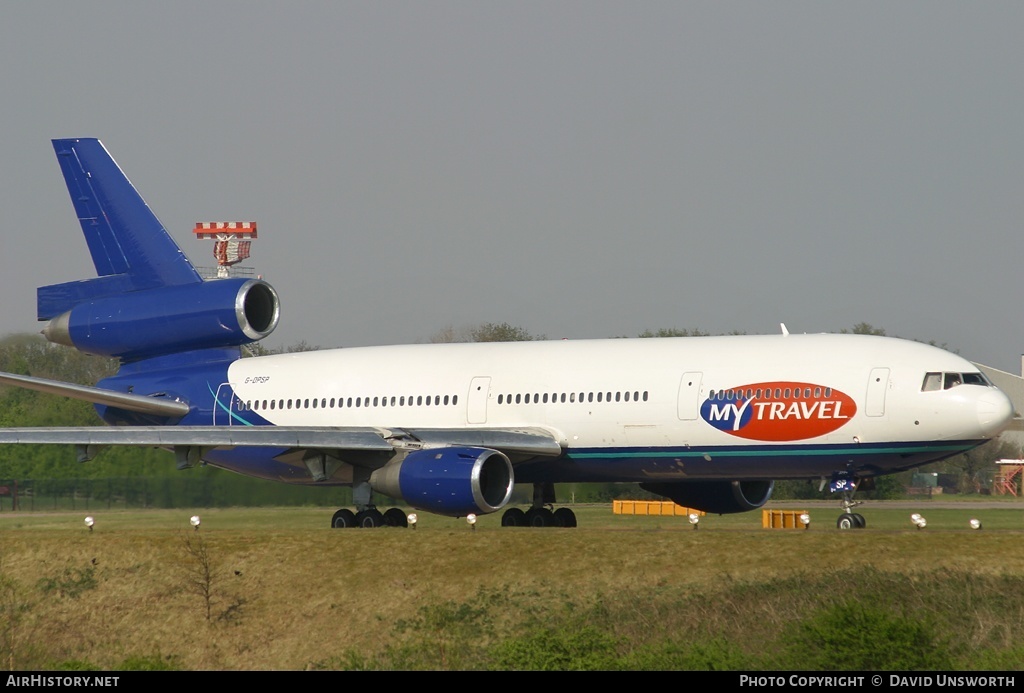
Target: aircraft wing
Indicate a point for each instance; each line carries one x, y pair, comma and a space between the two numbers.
206, 436
362, 446
518, 444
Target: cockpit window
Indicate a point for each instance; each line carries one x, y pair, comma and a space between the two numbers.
975, 379
944, 381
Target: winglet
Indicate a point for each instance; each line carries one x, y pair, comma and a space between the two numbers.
130, 248
785, 332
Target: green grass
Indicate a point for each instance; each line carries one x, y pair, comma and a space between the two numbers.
288, 592
881, 515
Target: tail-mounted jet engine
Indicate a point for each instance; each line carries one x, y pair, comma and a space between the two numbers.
169, 319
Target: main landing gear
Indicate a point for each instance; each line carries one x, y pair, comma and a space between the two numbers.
366, 514
847, 485
538, 517
369, 517
541, 513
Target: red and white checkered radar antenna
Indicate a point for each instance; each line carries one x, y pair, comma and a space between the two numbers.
232, 240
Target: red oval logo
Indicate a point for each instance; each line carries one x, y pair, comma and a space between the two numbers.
778, 411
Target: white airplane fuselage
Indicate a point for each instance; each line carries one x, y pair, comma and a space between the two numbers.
741, 407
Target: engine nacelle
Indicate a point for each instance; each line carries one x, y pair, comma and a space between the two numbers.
719, 497
139, 324
453, 481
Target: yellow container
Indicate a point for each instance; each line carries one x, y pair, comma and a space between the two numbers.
782, 519
655, 508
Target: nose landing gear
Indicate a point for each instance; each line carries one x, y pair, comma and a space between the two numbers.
846, 484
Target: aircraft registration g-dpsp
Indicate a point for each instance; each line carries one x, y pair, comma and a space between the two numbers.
709, 422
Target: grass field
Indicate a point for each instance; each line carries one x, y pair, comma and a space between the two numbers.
278, 589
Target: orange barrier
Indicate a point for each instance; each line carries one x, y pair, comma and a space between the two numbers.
782, 519
658, 508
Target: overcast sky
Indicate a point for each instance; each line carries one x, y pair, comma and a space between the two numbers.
579, 169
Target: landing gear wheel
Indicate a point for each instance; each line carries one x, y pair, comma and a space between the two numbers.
343, 518
540, 517
565, 517
395, 518
513, 517
369, 518
847, 483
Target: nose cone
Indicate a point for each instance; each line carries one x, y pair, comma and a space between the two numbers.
995, 411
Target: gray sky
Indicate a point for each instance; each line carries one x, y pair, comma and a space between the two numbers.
581, 169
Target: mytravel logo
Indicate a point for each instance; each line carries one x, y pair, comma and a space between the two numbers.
778, 411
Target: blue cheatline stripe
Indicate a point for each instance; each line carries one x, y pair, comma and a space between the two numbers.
772, 451
226, 409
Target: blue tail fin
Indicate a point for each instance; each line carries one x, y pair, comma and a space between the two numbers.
129, 246
148, 300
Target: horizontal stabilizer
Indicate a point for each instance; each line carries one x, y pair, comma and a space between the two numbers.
96, 395
55, 299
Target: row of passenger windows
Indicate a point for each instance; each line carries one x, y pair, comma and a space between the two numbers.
436, 400
777, 393
562, 397
350, 402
